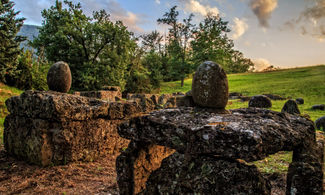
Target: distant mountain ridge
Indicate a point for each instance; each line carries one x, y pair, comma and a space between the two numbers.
29, 31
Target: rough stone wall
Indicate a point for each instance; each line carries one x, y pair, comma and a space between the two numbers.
102, 94
54, 128
136, 163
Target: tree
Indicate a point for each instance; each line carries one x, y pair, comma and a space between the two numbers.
10, 42
97, 50
211, 43
178, 43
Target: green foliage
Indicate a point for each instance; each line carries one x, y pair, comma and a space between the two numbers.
10, 41
180, 34
39, 73
97, 50
211, 43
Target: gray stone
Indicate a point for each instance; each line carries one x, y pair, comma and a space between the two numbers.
210, 86
56, 128
250, 134
260, 101
59, 77
300, 101
291, 107
320, 123
318, 107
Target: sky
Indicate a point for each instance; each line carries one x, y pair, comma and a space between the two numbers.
283, 33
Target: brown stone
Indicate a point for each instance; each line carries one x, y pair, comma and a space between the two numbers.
109, 93
210, 86
59, 77
136, 163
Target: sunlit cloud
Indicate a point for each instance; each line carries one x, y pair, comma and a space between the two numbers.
195, 6
239, 28
263, 10
260, 64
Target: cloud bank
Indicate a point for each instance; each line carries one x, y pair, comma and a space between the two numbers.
239, 28
311, 21
263, 10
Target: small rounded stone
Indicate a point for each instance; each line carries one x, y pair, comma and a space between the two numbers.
210, 86
260, 101
59, 77
291, 107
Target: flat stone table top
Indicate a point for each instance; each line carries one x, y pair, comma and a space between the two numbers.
250, 134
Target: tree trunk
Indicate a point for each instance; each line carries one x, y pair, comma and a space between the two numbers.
182, 82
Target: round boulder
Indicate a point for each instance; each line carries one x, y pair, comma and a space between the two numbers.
318, 107
210, 86
300, 101
260, 101
320, 123
291, 107
59, 77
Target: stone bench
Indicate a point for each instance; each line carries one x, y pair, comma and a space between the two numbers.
212, 151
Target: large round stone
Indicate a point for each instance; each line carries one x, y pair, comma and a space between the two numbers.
210, 86
59, 77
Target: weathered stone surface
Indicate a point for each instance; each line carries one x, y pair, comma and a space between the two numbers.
320, 123
260, 101
300, 101
274, 97
45, 142
205, 175
250, 134
56, 128
291, 107
136, 163
318, 107
164, 98
110, 93
210, 86
62, 107
305, 173
59, 77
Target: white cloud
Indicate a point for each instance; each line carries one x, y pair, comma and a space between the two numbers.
260, 64
239, 28
157, 1
194, 6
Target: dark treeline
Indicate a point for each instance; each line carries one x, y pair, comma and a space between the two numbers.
102, 52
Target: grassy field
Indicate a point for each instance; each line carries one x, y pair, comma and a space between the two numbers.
307, 83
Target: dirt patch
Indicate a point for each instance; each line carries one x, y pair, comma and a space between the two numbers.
17, 177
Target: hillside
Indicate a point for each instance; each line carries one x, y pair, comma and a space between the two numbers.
307, 83
29, 31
